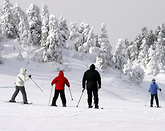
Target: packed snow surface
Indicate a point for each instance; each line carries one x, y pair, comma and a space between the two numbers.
125, 105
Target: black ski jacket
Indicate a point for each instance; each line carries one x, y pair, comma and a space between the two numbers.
91, 79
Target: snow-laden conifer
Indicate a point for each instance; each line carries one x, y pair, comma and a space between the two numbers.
152, 66
53, 50
34, 20
45, 25
134, 72
64, 31
160, 49
7, 20
118, 57
143, 54
74, 37
22, 26
104, 60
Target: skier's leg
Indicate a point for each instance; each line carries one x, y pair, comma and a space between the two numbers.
14, 94
63, 98
151, 102
157, 100
96, 99
22, 88
55, 98
89, 92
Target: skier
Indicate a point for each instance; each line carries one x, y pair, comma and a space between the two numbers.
60, 82
21, 78
92, 80
153, 91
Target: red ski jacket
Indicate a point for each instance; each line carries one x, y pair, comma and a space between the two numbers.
60, 81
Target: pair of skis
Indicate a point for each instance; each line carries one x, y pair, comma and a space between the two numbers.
29, 103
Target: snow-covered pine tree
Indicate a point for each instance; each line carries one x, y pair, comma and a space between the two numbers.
45, 25
143, 55
7, 20
118, 57
160, 50
90, 39
151, 38
97, 41
160, 28
63, 28
74, 36
105, 58
133, 51
137, 43
134, 72
53, 50
152, 66
84, 29
34, 20
22, 26
126, 50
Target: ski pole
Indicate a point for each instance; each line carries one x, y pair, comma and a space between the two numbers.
36, 84
70, 93
50, 95
80, 97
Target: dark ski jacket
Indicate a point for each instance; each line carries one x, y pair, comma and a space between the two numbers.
91, 79
60, 81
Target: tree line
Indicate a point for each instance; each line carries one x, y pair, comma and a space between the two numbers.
47, 37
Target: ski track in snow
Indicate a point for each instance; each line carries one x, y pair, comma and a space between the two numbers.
123, 102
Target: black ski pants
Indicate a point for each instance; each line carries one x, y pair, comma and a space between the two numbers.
92, 93
62, 95
17, 89
156, 98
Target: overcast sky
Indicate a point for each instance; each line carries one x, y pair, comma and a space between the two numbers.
123, 18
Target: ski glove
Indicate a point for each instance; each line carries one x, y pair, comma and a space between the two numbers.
29, 76
160, 89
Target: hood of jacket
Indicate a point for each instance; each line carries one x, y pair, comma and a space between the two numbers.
92, 67
23, 71
61, 73
153, 83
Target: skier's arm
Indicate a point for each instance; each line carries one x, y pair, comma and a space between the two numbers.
83, 81
54, 81
99, 80
67, 82
149, 89
158, 87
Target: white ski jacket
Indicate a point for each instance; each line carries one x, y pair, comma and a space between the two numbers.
21, 78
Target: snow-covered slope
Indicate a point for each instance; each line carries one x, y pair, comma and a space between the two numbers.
123, 102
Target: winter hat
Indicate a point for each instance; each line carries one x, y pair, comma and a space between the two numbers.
153, 80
